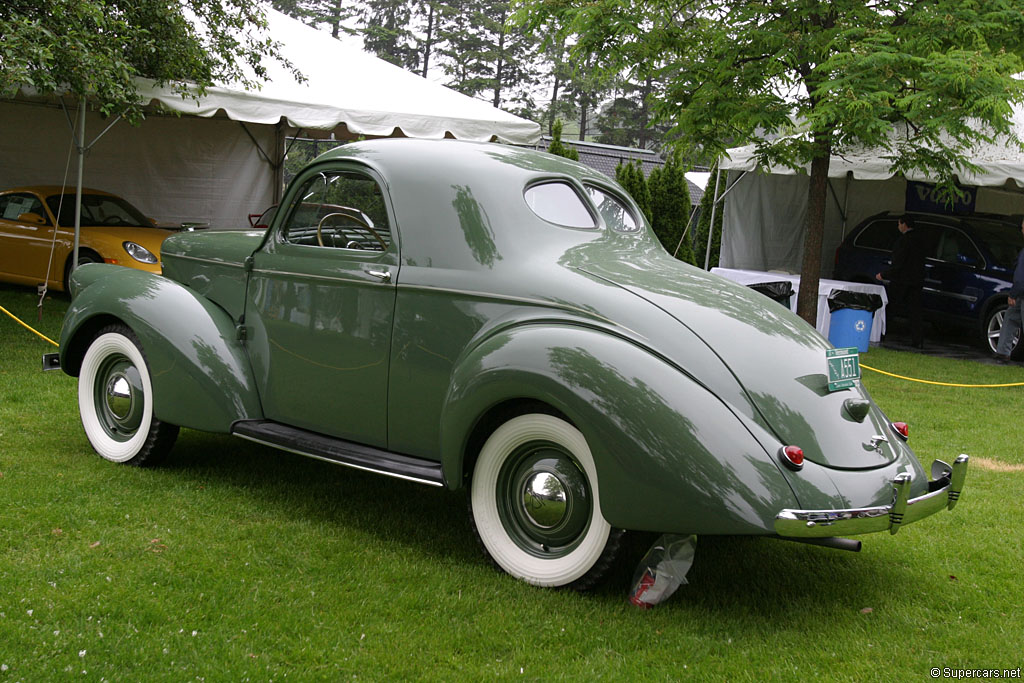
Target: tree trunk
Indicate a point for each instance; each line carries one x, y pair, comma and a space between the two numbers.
554, 103
584, 107
810, 271
427, 43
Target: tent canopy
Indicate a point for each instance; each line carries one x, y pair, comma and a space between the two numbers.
765, 213
998, 162
345, 85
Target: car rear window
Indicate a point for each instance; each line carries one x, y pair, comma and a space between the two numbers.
558, 203
1004, 240
613, 210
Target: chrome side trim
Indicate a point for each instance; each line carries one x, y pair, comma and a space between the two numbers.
396, 475
944, 492
951, 295
216, 262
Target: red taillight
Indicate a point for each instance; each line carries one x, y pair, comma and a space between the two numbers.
792, 457
902, 429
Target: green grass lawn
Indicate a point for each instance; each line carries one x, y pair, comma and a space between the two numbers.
236, 562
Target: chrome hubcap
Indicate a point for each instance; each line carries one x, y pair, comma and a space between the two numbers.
119, 397
544, 500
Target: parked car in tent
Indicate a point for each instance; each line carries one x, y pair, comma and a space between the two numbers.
494, 319
967, 273
37, 233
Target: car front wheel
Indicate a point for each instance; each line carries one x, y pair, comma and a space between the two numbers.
115, 400
993, 325
536, 507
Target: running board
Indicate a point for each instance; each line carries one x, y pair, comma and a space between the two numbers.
339, 451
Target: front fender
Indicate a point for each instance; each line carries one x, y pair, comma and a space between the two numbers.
201, 375
670, 455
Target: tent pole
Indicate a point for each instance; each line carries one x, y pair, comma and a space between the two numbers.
711, 226
80, 144
846, 203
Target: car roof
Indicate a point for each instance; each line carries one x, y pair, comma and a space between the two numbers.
414, 155
959, 221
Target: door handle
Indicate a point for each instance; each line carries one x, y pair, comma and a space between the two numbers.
384, 275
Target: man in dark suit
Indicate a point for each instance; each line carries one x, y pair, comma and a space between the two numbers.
906, 277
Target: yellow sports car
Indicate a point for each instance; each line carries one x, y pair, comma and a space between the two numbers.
37, 234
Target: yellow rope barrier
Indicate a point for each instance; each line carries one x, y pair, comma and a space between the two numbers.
33, 331
941, 384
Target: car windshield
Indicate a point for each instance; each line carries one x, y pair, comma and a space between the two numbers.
97, 209
1004, 240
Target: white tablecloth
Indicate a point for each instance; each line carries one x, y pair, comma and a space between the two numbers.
825, 287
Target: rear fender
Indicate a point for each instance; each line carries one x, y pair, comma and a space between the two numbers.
670, 455
200, 372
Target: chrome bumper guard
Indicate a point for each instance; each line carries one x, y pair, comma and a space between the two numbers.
943, 492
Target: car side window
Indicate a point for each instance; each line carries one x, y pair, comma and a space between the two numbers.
615, 213
558, 203
881, 234
339, 210
956, 247
14, 205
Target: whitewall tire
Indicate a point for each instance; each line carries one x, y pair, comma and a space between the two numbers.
536, 506
115, 400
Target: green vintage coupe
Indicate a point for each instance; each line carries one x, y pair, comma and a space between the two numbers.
500, 320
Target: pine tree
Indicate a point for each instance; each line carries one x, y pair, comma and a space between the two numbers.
670, 206
631, 177
558, 147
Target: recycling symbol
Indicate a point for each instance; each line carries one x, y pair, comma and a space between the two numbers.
860, 326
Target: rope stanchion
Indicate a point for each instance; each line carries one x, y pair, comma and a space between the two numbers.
27, 327
941, 384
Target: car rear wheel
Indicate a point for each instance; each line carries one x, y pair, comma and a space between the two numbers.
115, 400
993, 325
536, 507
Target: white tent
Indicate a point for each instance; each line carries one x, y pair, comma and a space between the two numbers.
765, 212
225, 161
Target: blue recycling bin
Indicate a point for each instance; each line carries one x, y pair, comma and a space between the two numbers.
851, 316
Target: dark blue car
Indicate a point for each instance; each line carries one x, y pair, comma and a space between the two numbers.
968, 270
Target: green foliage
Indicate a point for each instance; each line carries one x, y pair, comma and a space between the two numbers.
619, 123
632, 179
626, 119
670, 207
664, 198
847, 70
704, 225
802, 79
485, 56
333, 13
387, 33
97, 48
560, 148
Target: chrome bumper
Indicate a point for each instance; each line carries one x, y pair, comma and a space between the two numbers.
943, 492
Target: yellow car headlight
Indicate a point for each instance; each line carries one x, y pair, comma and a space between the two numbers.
139, 252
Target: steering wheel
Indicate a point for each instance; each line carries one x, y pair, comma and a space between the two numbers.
354, 217
113, 219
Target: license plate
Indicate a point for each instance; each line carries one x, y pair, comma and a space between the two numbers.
843, 368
